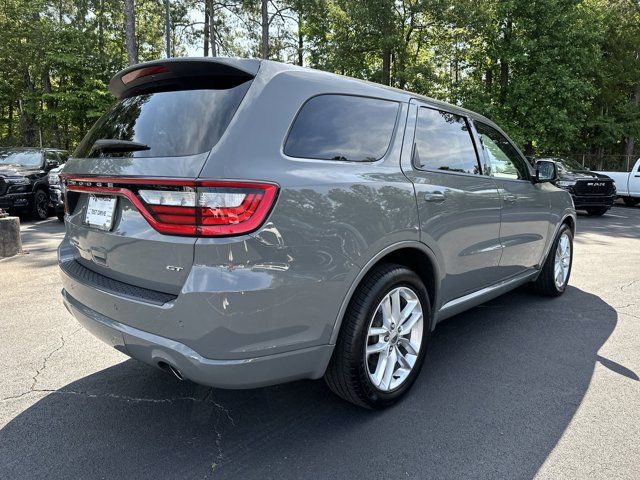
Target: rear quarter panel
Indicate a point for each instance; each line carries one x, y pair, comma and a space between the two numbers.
330, 218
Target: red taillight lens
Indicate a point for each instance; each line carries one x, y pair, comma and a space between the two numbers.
213, 208
200, 208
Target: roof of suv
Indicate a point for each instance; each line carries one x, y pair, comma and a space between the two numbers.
248, 68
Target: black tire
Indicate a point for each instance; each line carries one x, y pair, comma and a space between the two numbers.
630, 201
347, 375
545, 284
40, 205
597, 211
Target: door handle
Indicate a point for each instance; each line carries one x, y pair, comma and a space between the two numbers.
435, 197
510, 199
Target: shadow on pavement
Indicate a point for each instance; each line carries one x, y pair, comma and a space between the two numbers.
40, 240
500, 385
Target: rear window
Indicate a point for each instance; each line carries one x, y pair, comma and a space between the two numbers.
170, 123
342, 127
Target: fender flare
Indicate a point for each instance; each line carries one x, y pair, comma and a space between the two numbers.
40, 184
370, 264
568, 213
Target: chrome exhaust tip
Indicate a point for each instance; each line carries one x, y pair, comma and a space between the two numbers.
176, 372
167, 367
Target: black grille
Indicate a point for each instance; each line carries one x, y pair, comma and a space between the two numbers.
88, 277
594, 187
3, 186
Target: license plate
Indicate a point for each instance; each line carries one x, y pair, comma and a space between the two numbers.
100, 210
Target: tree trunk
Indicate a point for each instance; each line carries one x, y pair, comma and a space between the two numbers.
10, 126
488, 79
386, 66
101, 34
27, 112
212, 29
300, 42
206, 28
265, 29
528, 149
130, 32
504, 63
51, 105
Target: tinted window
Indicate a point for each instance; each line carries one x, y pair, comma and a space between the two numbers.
173, 123
341, 127
49, 155
443, 142
571, 165
503, 158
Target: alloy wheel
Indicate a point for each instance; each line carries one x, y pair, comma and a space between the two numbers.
42, 205
562, 261
394, 339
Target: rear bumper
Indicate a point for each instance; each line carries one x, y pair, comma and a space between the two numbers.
237, 373
583, 201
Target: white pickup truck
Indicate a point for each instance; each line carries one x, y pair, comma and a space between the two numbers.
627, 184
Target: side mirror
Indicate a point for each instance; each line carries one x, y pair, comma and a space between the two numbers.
546, 171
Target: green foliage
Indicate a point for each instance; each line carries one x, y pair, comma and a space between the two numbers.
559, 75
56, 60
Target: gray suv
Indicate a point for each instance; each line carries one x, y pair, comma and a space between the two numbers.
242, 223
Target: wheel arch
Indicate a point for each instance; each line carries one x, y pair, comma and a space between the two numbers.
415, 256
569, 219
40, 185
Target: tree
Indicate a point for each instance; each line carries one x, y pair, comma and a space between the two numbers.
130, 32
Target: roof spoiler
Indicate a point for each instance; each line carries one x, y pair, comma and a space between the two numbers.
182, 74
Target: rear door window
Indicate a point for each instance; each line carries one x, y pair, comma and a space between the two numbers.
443, 142
343, 127
170, 123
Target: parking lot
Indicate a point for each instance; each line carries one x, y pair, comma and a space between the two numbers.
520, 387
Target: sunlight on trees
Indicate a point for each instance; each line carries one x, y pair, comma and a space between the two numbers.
562, 76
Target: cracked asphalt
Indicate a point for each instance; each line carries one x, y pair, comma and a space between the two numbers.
521, 387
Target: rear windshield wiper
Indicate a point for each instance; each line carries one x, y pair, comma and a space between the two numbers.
115, 145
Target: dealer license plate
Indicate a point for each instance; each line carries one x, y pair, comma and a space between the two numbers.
100, 210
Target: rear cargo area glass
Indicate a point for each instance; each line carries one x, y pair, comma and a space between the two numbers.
170, 123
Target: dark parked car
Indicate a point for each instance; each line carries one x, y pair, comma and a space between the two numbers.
56, 194
24, 184
591, 191
242, 223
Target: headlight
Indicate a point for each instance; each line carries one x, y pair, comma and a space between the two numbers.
17, 180
566, 183
54, 179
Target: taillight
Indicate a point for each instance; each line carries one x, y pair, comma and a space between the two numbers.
213, 208
144, 72
200, 208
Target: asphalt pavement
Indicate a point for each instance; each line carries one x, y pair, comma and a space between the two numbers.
521, 387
